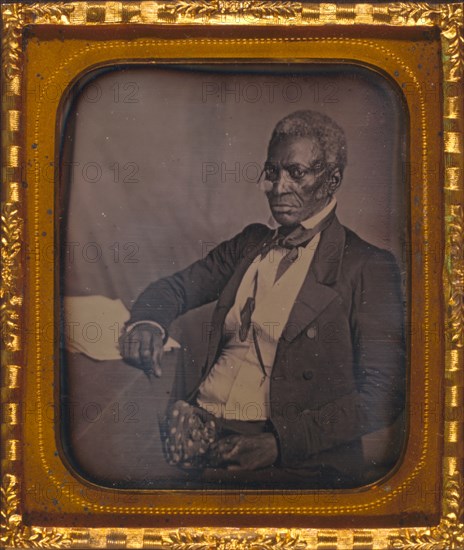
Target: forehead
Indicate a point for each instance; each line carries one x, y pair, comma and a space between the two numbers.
295, 149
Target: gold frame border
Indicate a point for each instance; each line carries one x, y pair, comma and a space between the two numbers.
449, 19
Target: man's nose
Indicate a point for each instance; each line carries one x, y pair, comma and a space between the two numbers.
280, 185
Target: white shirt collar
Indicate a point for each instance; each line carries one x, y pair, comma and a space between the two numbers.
309, 223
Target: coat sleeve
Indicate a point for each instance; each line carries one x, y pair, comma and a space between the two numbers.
198, 284
377, 334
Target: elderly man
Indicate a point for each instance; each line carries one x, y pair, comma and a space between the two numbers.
306, 351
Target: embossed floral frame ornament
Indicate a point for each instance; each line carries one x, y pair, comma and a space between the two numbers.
420, 505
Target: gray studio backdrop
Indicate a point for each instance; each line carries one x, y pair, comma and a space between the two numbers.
161, 163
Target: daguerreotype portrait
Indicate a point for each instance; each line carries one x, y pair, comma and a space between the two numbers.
231, 280
233, 186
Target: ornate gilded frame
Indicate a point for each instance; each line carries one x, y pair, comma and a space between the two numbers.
16, 530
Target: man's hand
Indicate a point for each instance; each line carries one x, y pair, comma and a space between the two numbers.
248, 452
142, 347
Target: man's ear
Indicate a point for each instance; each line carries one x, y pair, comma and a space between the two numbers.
335, 180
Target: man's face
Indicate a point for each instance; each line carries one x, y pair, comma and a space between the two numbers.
302, 183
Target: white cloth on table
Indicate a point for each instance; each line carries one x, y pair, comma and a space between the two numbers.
92, 326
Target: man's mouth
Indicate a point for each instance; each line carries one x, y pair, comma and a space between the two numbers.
282, 206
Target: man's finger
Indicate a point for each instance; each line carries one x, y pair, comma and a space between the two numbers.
157, 355
146, 347
232, 455
232, 450
132, 343
225, 444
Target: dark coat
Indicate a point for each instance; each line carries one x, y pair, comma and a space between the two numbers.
339, 370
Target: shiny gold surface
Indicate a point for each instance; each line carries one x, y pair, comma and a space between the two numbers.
27, 122
58, 63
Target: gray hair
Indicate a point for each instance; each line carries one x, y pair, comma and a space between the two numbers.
328, 134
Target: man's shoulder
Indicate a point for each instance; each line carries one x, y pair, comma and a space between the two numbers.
254, 232
245, 242
256, 228
357, 250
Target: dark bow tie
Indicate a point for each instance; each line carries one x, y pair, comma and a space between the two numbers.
295, 236
292, 238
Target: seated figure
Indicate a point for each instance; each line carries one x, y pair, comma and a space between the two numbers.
306, 349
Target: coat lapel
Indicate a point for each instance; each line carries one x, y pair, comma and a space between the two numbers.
316, 293
314, 296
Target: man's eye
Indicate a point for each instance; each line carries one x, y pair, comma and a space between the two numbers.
296, 172
271, 172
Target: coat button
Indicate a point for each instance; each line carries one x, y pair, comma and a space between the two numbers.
307, 374
311, 333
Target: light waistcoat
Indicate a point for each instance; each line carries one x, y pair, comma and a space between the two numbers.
237, 386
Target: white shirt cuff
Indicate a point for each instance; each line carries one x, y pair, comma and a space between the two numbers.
148, 322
